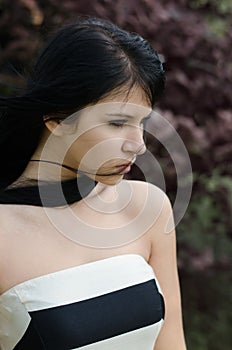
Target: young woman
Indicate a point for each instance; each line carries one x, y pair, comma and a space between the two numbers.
85, 261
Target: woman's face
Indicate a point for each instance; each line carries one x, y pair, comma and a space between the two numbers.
104, 139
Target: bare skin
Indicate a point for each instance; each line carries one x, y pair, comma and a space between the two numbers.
31, 246
34, 247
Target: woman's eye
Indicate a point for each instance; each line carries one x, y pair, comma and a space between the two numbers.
117, 124
121, 123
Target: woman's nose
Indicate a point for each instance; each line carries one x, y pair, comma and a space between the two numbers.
135, 142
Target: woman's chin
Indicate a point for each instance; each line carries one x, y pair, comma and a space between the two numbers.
109, 180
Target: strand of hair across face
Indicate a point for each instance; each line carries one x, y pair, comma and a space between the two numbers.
56, 163
76, 171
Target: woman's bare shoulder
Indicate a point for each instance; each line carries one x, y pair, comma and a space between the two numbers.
15, 222
9, 212
148, 197
6, 213
9, 217
5, 222
153, 201
143, 186
13, 217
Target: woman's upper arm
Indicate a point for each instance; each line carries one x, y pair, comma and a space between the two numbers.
164, 263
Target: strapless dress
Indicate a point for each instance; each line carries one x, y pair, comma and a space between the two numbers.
111, 304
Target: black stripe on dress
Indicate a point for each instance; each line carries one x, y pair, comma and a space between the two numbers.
96, 319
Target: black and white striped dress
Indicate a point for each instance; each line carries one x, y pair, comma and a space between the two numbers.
110, 304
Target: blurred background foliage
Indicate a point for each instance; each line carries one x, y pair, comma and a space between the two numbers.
194, 40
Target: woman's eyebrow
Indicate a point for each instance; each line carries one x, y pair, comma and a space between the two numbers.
128, 115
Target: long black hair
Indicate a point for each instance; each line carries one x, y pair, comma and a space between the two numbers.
83, 62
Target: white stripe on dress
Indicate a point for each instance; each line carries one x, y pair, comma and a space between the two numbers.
135, 340
84, 281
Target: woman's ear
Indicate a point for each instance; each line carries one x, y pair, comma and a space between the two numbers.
53, 125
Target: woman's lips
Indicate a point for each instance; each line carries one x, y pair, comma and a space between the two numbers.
124, 168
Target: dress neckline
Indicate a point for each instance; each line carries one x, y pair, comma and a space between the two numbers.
76, 267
